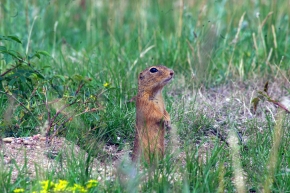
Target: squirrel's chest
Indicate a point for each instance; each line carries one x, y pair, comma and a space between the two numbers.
150, 107
158, 105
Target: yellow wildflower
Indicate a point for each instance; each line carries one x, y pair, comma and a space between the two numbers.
60, 186
18, 190
78, 188
91, 183
106, 84
46, 185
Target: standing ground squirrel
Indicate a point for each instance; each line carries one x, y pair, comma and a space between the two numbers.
151, 115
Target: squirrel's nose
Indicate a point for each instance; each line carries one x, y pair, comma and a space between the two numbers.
171, 72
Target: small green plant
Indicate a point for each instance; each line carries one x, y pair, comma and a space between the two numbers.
264, 96
31, 94
18, 82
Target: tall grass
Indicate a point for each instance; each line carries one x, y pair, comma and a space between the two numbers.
200, 37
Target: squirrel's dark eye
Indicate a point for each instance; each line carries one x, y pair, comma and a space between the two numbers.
153, 70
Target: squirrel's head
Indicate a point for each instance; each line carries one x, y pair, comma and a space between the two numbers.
154, 78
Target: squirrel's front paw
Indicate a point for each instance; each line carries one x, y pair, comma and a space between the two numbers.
168, 125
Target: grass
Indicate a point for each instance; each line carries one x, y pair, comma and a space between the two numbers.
105, 45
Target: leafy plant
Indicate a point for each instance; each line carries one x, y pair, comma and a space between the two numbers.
32, 95
264, 96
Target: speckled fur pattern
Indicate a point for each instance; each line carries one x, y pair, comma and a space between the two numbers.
151, 116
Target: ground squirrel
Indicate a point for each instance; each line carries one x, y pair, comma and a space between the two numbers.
151, 115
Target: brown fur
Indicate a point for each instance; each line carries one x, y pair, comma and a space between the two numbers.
151, 116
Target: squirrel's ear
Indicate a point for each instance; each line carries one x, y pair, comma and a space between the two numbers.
141, 76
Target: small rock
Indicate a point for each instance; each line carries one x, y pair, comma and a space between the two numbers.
7, 161
36, 137
19, 140
42, 138
27, 142
8, 139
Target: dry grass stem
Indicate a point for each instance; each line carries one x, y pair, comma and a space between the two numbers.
273, 159
239, 178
